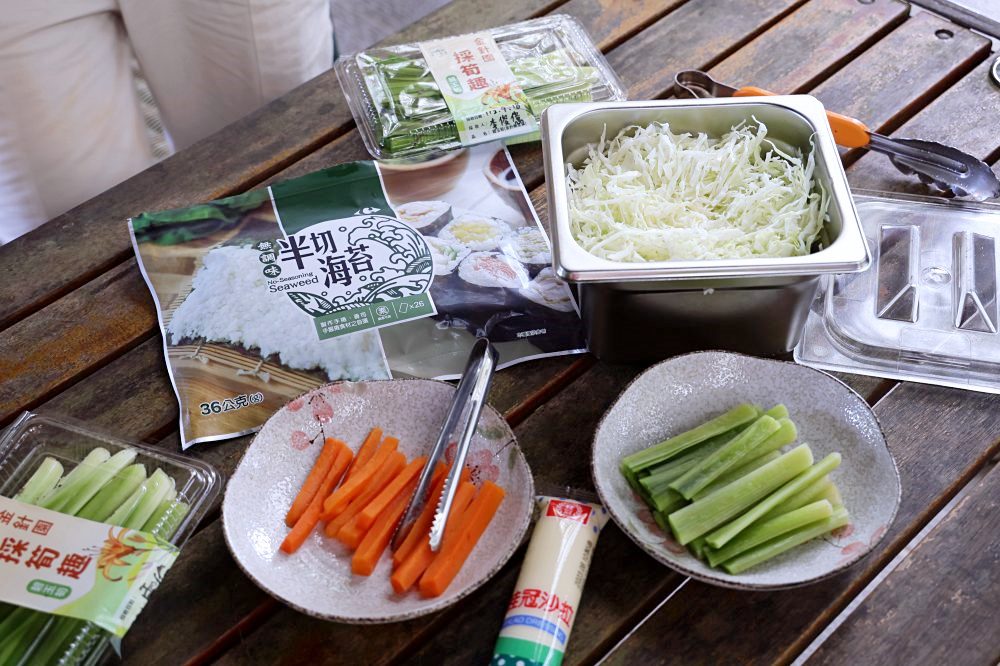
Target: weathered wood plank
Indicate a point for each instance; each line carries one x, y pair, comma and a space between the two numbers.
72, 337
958, 426
764, 62
966, 116
130, 397
910, 67
88, 240
940, 605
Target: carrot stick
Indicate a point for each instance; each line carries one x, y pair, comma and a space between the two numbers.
316, 475
421, 555
377, 538
380, 479
310, 516
423, 522
350, 489
368, 515
422, 525
366, 451
456, 547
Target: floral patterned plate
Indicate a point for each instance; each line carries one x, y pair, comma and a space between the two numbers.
317, 579
680, 393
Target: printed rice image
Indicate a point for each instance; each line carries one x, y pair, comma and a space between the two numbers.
222, 307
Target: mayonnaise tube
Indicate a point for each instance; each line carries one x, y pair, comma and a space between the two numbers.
540, 615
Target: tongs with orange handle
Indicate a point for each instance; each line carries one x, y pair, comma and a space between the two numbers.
948, 168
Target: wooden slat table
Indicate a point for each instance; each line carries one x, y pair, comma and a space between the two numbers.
78, 335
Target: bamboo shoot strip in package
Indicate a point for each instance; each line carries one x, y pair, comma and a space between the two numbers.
89, 526
360, 271
413, 101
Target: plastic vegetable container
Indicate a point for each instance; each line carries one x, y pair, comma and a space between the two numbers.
403, 116
35, 437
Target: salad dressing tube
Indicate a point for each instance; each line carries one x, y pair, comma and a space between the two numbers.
540, 615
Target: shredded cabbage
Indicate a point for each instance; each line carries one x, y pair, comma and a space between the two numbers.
649, 194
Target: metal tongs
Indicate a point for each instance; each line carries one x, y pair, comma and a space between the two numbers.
464, 412
950, 169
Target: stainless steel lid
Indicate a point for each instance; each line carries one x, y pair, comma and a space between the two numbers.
795, 120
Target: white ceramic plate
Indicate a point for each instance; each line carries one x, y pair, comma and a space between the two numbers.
317, 579
683, 392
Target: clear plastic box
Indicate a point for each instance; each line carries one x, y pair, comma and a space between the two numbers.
402, 116
927, 309
34, 437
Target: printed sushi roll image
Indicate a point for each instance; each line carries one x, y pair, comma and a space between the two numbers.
491, 266
493, 269
445, 255
530, 247
476, 231
547, 290
427, 217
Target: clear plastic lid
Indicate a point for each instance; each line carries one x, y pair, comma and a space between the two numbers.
34, 437
927, 308
403, 116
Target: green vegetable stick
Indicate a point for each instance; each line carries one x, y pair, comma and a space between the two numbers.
53, 645
721, 536
733, 474
671, 447
167, 518
72, 482
112, 495
661, 520
101, 476
775, 547
668, 501
160, 486
727, 457
39, 638
764, 531
41, 482
698, 548
778, 412
659, 477
121, 514
813, 492
832, 495
160, 509
19, 632
709, 512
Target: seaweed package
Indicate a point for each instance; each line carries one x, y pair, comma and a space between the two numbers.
359, 271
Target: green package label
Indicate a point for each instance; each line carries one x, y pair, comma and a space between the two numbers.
69, 566
479, 88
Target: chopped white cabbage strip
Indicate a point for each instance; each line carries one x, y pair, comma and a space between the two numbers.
652, 195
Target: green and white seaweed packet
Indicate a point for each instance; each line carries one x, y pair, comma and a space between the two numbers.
348, 273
